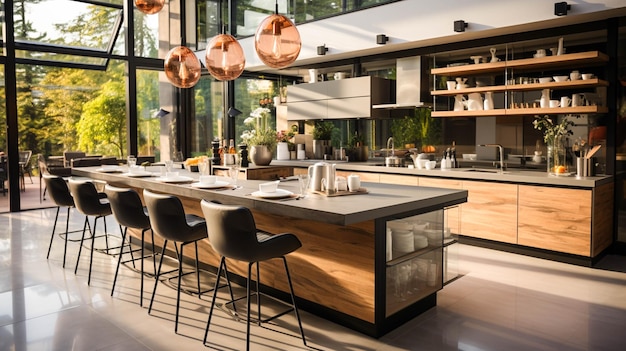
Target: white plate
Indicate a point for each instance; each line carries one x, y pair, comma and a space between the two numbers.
217, 184
279, 193
179, 179
109, 169
138, 174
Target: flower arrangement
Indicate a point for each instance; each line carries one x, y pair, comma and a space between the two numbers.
260, 132
552, 131
552, 135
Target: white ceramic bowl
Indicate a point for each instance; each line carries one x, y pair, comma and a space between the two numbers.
586, 76
545, 79
269, 187
399, 225
431, 164
420, 163
560, 78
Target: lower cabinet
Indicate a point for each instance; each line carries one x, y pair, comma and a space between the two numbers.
414, 259
555, 219
490, 211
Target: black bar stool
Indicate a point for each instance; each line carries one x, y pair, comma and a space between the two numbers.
130, 213
233, 234
61, 196
90, 203
168, 220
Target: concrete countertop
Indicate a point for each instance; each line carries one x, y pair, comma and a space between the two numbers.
509, 176
382, 200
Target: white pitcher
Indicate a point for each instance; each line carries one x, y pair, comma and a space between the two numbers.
544, 102
459, 103
474, 102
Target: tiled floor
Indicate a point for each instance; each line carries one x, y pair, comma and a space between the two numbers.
503, 302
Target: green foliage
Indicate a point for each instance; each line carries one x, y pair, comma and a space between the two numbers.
323, 130
103, 121
418, 129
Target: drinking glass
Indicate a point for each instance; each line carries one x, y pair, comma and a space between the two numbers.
233, 169
303, 181
131, 161
203, 166
169, 165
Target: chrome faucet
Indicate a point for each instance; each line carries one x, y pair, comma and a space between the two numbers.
501, 154
390, 142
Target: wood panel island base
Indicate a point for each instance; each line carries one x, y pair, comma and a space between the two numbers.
369, 262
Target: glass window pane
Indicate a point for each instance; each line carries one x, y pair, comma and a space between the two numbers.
208, 122
149, 114
78, 25
146, 34
208, 21
249, 94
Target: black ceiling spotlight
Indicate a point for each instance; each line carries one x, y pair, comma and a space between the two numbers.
561, 8
322, 49
460, 25
382, 39
233, 112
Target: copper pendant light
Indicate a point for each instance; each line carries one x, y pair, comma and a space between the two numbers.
277, 41
182, 67
149, 7
224, 57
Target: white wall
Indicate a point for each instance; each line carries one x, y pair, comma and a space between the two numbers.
415, 23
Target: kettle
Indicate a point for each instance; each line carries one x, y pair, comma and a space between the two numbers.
322, 172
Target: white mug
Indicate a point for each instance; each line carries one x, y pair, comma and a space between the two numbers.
341, 184
354, 183
575, 75
554, 103
451, 84
565, 101
577, 100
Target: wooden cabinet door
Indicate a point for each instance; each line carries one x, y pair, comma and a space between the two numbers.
555, 219
453, 214
398, 179
490, 211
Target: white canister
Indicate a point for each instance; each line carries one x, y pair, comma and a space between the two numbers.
312, 75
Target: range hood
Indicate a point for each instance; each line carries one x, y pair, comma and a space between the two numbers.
409, 84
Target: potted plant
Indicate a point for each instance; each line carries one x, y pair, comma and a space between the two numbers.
322, 135
357, 150
285, 144
260, 137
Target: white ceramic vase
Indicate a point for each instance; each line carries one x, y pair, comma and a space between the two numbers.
282, 151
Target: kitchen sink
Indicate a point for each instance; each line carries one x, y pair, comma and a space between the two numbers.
484, 170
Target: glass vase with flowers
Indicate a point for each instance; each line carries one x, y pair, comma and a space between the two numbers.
554, 135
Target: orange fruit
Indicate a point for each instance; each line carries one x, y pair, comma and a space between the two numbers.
559, 169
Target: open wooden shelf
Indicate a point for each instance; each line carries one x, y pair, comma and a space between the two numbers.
522, 111
589, 83
547, 62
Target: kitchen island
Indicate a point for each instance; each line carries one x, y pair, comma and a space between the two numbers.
346, 270
564, 218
